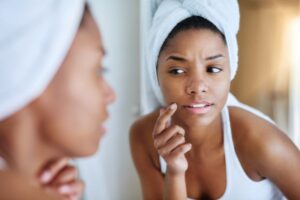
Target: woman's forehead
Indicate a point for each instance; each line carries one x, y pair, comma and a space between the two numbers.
191, 40
90, 27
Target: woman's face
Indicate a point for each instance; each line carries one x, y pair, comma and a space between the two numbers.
193, 71
73, 108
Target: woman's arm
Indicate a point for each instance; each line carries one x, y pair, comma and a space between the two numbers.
175, 187
169, 143
151, 179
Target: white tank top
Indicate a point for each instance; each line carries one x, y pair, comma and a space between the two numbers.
3, 165
239, 186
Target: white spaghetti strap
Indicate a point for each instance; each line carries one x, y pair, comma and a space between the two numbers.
163, 165
3, 164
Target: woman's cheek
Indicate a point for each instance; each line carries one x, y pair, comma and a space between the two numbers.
222, 92
171, 90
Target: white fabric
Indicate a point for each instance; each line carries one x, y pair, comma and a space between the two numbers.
3, 165
238, 184
35, 37
224, 14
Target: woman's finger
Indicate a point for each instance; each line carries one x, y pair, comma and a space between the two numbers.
163, 119
53, 168
161, 139
171, 145
67, 174
181, 150
74, 189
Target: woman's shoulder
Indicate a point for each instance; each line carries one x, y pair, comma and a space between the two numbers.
257, 140
252, 128
141, 140
141, 130
144, 124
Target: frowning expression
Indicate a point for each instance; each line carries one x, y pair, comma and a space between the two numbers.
193, 71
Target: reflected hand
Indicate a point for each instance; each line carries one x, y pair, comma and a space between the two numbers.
60, 177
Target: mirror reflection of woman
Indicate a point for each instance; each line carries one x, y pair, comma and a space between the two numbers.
204, 144
53, 97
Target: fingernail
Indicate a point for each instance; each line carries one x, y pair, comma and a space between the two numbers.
173, 106
46, 176
64, 189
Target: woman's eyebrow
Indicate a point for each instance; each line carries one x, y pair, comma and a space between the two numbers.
214, 57
177, 58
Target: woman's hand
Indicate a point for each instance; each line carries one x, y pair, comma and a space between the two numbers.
60, 177
170, 142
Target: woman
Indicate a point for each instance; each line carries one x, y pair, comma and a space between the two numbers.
204, 145
53, 96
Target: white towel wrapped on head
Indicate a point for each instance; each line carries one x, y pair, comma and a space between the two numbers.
35, 37
224, 14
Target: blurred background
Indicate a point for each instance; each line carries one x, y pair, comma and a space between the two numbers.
267, 79
268, 68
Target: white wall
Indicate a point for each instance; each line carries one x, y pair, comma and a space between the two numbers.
294, 83
110, 174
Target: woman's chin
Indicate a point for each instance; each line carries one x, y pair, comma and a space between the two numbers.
89, 151
91, 147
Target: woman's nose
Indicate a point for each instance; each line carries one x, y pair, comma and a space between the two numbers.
197, 86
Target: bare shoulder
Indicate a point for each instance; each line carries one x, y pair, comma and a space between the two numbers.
249, 128
141, 129
141, 140
145, 156
259, 143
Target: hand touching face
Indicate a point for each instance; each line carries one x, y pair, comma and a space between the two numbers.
193, 71
169, 141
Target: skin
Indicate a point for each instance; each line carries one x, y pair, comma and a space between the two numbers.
21, 188
194, 66
65, 121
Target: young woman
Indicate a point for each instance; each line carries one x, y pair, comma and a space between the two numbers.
43, 120
198, 147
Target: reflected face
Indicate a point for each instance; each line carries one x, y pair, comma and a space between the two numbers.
193, 71
74, 107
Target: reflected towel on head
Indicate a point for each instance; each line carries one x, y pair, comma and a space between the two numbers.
35, 38
224, 14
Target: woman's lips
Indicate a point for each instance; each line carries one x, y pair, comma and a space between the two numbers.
102, 129
199, 108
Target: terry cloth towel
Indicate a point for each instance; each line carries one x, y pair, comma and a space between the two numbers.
35, 37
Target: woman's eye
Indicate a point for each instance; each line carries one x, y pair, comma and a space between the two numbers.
102, 71
214, 69
176, 71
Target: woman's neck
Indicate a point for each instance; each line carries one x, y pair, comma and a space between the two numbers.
22, 148
204, 138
